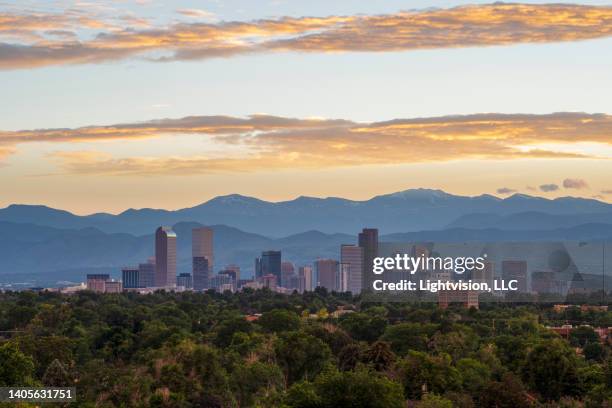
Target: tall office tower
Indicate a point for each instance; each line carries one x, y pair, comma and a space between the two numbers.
165, 257
342, 277
201, 274
325, 271
146, 274
97, 282
202, 245
368, 240
271, 264
184, 280
130, 277
515, 270
287, 272
305, 272
352, 255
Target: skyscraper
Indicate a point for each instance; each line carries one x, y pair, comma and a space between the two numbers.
342, 277
146, 274
130, 277
352, 255
325, 271
270, 264
202, 245
368, 240
165, 257
201, 274
305, 272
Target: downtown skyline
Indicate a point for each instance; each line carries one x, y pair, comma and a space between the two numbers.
326, 99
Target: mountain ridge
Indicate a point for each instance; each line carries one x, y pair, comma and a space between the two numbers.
408, 210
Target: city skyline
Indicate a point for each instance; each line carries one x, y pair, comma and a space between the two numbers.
278, 100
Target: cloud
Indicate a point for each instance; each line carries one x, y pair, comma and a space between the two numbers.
505, 191
547, 188
465, 26
575, 183
197, 13
265, 141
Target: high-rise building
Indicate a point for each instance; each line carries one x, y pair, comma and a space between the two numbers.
287, 272
515, 270
269, 263
165, 257
146, 274
184, 280
305, 272
201, 273
130, 277
202, 245
342, 277
368, 240
97, 282
352, 255
325, 272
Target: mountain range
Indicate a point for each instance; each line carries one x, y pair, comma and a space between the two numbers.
48, 245
410, 210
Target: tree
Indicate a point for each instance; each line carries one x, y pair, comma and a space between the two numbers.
364, 327
594, 351
434, 401
507, 393
408, 336
279, 320
474, 375
227, 328
379, 355
583, 335
421, 372
255, 378
551, 370
349, 356
355, 389
300, 355
16, 368
56, 375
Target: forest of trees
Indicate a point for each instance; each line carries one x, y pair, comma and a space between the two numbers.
200, 350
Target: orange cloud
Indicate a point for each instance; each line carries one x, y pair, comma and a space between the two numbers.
466, 26
270, 142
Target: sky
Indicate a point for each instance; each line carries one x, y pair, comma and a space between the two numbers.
129, 104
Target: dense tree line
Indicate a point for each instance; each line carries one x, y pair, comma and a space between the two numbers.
199, 350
